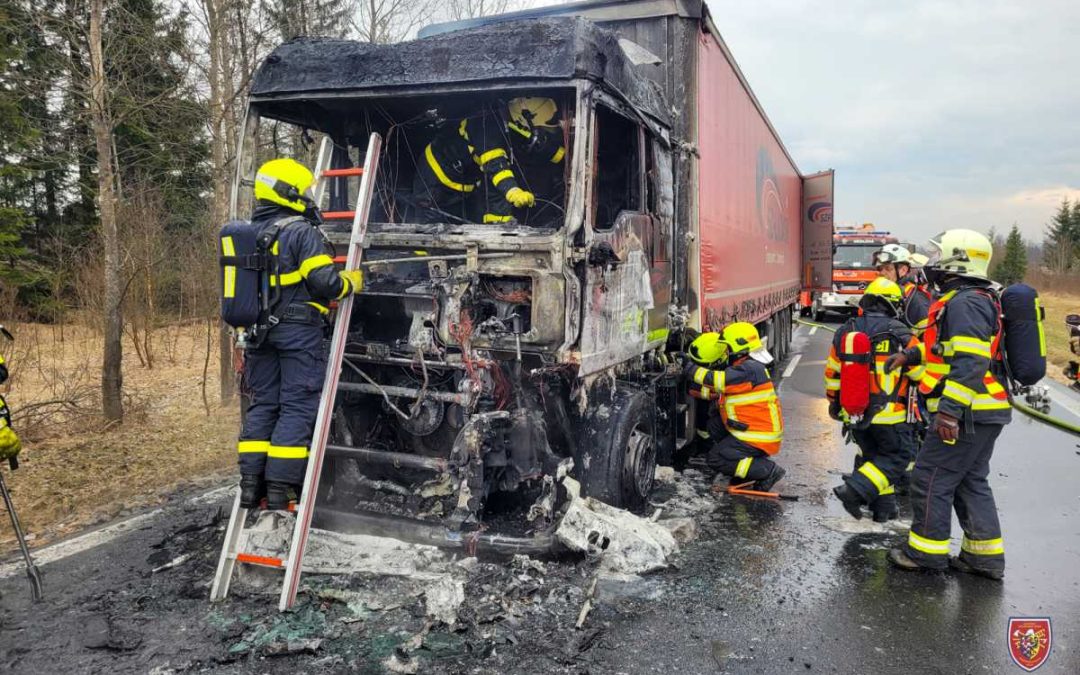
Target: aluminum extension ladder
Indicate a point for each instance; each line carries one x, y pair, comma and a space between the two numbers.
292, 561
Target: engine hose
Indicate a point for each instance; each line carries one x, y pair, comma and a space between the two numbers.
815, 325
1053, 421
1026, 409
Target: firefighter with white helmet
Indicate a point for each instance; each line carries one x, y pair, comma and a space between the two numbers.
746, 425
965, 388
899, 265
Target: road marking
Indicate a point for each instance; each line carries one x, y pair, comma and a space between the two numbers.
791, 366
813, 330
87, 541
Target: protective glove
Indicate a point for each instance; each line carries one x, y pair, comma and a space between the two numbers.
520, 198
354, 279
946, 427
10, 445
898, 360
835, 410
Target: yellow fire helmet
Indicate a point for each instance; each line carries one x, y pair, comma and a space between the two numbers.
707, 349
963, 252
741, 338
885, 289
284, 181
533, 112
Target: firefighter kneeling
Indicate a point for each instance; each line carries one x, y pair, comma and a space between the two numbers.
872, 401
746, 425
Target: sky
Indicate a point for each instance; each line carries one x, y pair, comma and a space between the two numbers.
934, 114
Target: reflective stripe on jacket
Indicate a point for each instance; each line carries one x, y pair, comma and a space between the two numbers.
747, 402
960, 349
306, 272
888, 391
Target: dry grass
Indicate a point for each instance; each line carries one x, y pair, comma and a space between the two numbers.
77, 471
1058, 304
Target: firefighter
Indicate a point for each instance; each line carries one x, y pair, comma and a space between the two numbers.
284, 373
964, 384
10, 445
468, 164
883, 433
897, 264
536, 139
746, 424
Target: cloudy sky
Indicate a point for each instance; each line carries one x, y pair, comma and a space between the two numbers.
934, 114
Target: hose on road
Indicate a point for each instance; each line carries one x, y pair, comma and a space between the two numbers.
1026, 409
1053, 421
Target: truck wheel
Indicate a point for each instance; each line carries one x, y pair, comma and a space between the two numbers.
617, 455
816, 312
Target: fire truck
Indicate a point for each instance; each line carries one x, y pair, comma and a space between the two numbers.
853, 269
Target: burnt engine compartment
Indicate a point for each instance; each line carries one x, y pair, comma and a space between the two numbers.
441, 416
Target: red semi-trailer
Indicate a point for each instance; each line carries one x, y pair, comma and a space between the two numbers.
493, 354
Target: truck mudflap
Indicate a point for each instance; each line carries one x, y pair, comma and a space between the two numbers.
422, 532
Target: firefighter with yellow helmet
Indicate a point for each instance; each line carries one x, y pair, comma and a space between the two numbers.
467, 171
882, 432
746, 425
284, 372
965, 389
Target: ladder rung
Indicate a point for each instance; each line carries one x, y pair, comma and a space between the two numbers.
338, 215
350, 171
265, 561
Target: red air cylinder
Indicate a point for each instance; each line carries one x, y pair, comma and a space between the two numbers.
856, 360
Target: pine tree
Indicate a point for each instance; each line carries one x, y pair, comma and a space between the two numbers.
1059, 242
1013, 266
1075, 234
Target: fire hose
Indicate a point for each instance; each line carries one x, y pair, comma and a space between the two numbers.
1026, 409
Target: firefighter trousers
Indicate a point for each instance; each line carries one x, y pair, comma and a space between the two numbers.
739, 461
948, 477
884, 451
283, 378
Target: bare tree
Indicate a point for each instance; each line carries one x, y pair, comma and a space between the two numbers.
459, 10
385, 21
112, 378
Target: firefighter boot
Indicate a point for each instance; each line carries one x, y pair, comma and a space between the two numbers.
885, 509
850, 499
278, 495
960, 565
252, 490
774, 477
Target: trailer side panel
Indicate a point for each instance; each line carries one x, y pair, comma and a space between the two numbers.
750, 198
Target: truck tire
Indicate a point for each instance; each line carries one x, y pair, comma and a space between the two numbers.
617, 455
816, 312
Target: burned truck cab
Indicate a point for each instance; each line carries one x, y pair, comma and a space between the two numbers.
486, 361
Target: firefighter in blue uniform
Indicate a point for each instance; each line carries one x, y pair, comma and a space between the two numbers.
884, 439
536, 139
284, 373
466, 172
964, 386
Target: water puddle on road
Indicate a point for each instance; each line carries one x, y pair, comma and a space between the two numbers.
865, 526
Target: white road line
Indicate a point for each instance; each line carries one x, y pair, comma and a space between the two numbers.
85, 542
813, 330
791, 366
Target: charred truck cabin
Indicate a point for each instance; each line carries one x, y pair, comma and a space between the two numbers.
486, 360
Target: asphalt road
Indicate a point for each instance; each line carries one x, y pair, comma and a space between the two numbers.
767, 587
